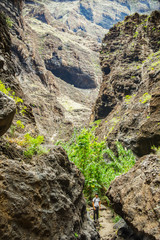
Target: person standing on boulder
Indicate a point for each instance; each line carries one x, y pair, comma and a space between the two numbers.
96, 203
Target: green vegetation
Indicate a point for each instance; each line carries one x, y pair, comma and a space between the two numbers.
156, 149
116, 219
20, 124
128, 98
34, 145
88, 153
145, 98
10, 93
76, 235
135, 35
9, 22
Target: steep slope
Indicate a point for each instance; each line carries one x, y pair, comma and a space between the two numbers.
59, 62
41, 198
94, 17
129, 107
129, 96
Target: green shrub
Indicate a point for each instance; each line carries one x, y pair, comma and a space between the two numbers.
145, 98
34, 145
135, 35
116, 219
9, 22
20, 124
10, 93
156, 149
87, 153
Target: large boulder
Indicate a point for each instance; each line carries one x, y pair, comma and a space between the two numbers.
43, 200
136, 197
7, 112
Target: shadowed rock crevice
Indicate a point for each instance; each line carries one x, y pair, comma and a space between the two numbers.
71, 75
128, 100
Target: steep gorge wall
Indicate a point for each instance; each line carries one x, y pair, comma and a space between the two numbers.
128, 101
42, 61
129, 108
40, 198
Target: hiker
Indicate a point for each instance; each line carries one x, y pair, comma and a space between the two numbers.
96, 203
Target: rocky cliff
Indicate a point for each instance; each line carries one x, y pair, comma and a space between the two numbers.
94, 17
128, 101
40, 198
55, 48
129, 108
8, 110
42, 56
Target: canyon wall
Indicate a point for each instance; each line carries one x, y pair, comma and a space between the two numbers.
128, 101
128, 105
42, 197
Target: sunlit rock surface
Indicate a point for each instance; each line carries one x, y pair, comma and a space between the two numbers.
135, 196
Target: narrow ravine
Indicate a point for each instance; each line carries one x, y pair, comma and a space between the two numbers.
105, 225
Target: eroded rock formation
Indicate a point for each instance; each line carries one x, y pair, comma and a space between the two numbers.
129, 107
129, 100
40, 198
43, 200
136, 197
7, 112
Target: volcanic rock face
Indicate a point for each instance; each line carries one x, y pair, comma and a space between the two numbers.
43, 200
129, 106
40, 198
7, 112
136, 197
60, 62
129, 99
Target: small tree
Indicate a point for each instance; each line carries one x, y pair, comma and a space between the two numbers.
87, 153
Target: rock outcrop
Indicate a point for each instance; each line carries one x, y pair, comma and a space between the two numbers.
58, 57
43, 200
7, 112
40, 198
128, 101
136, 197
129, 107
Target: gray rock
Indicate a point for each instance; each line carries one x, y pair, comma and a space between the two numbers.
7, 112
36, 203
121, 223
135, 196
